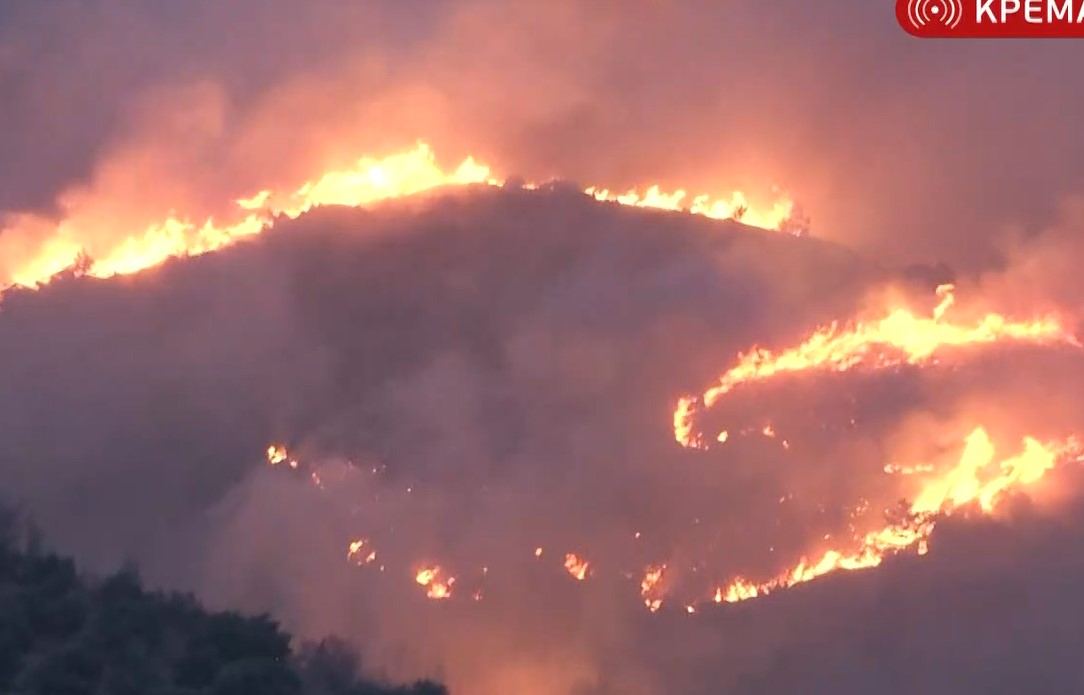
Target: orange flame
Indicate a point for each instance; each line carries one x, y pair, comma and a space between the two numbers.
356, 552
737, 208
576, 566
436, 588
652, 577
369, 181
973, 481
277, 454
901, 337
683, 423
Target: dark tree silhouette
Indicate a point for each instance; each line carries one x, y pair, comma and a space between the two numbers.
64, 634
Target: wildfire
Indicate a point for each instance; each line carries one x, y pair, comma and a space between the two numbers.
901, 337
576, 566
683, 423
736, 208
436, 587
978, 481
652, 577
975, 481
360, 552
277, 454
369, 181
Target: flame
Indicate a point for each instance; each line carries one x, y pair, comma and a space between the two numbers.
683, 423
902, 469
975, 481
900, 337
277, 454
354, 552
652, 577
736, 208
576, 566
436, 588
370, 180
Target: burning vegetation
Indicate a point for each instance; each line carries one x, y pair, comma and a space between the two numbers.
372, 179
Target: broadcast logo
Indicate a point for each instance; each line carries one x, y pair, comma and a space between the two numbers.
944, 13
992, 19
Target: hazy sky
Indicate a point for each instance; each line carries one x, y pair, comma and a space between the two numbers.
929, 149
514, 357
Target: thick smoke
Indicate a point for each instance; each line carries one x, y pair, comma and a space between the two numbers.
927, 150
466, 379
507, 362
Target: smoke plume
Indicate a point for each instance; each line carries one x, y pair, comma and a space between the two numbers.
484, 380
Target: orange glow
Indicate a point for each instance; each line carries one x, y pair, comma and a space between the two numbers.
437, 588
360, 552
576, 566
370, 180
683, 423
975, 481
736, 208
277, 454
649, 584
900, 337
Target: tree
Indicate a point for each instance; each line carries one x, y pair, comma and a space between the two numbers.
62, 634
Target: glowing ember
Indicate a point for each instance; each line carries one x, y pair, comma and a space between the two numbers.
436, 587
576, 566
360, 552
648, 585
277, 454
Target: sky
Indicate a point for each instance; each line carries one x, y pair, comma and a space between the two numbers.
933, 150
509, 361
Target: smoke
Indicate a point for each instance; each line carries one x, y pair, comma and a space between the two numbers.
464, 379
914, 149
507, 362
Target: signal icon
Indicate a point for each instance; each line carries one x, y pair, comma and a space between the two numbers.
945, 13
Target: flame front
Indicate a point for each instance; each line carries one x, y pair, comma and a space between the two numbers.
369, 181
901, 337
977, 481
973, 481
736, 208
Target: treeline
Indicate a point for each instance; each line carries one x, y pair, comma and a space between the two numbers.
64, 634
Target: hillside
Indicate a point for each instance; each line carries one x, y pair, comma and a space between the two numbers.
481, 382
